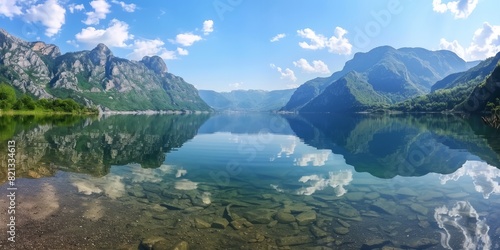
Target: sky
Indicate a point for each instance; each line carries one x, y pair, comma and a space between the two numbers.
225, 45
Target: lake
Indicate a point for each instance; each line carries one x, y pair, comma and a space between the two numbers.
252, 181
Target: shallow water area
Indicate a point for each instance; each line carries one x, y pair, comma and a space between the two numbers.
255, 181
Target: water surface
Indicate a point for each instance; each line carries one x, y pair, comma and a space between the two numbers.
254, 181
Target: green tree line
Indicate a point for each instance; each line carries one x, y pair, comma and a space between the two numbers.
10, 101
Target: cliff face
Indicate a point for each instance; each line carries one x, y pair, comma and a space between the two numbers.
95, 77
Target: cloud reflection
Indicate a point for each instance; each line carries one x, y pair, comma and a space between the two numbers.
314, 159
464, 218
337, 181
185, 184
483, 175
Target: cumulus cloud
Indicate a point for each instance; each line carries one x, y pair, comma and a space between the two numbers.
152, 47
485, 43
337, 43
75, 7
126, 7
187, 39
182, 52
286, 74
318, 66
278, 37
101, 9
116, 35
208, 27
50, 14
9, 8
459, 8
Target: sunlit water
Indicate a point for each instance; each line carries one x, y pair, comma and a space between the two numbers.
254, 181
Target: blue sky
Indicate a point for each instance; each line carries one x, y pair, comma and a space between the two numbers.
228, 44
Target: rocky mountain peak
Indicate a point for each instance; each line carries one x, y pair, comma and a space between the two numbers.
99, 55
155, 63
46, 49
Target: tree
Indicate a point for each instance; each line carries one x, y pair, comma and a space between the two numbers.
7, 96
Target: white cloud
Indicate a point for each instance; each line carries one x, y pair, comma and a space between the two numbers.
101, 9
116, 35
460, 8
75, 7
485, 43
73, 42
286, 74
126, 7
337, 44
278, 37
182, 52
337, 181
187, 39
150, 48
236, 85
9, 8
50, 14
315, 159
317, 67
208, 27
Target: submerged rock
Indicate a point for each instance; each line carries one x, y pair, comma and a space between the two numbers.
294, 240
354, 196
385, 205
306, 218
220, 223
406, 191
180, 246
201, 224
348, 211
318, 232
419, 209
375, 243
341, 230
260, 215
148, 243
422, 243
284, 217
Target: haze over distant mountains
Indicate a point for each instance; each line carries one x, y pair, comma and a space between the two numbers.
246, 100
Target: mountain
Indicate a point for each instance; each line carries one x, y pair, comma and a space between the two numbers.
484, 93
391, 74
390, 145
94, 77
450, 92
246, 100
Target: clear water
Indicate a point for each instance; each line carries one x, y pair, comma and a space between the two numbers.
280, 181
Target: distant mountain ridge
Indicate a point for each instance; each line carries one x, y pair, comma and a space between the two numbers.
467, 91
246, 100
382, 76
94, 77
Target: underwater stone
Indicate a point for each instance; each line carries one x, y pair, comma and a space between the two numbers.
343, 223
201, 224
260, 215
354, 196
171, 206
147, 244
348, 211
372, 195
341, 230
385, 205
284, 217
180, 246
422, 243
306, 218
406, 191
318, 232
272, 224
220, 223
419, 209
294, 240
